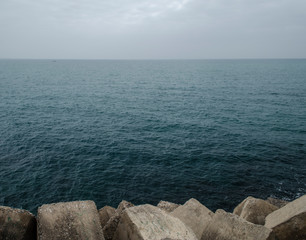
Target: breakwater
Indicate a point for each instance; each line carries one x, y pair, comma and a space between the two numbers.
252, 219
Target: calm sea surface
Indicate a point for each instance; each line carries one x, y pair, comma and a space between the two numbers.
144, 131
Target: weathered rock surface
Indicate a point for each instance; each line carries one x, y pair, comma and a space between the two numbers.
228, 226
16, 224
167, 206
69, 221
254, 210
277, 202
123, 205
194, 215
110, 228
147, 222
105, 214
289, 222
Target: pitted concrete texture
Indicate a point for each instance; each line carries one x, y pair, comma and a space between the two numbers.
167, 206
105, 214
147, 222
289, 222
277, 202
110, 227
17, 224
228, 226
254, 210
195, 215
69, 221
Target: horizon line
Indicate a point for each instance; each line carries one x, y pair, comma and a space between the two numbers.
150, 59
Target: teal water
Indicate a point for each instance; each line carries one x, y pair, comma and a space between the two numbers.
214, 130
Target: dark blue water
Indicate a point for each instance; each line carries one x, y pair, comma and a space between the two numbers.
143, 131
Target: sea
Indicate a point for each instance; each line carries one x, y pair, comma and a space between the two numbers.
150, 130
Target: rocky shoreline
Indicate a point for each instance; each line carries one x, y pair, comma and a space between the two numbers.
252, 219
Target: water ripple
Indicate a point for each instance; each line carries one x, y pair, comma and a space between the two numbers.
144, 131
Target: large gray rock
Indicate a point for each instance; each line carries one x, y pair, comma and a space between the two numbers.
277, 202
254, 210
147, 222
167, 206
289, 222
123, 205
105, 214
195, 215
69, 221
16, 224
228, 226
110, 227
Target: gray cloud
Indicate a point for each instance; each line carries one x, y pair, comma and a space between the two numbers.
152, 29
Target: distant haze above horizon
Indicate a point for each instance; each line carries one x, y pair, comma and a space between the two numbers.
143, 29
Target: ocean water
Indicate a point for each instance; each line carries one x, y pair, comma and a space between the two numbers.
144, 131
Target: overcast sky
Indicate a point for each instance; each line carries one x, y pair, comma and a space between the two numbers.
152, 29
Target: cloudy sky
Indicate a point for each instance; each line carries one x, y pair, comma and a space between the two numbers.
152, 29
